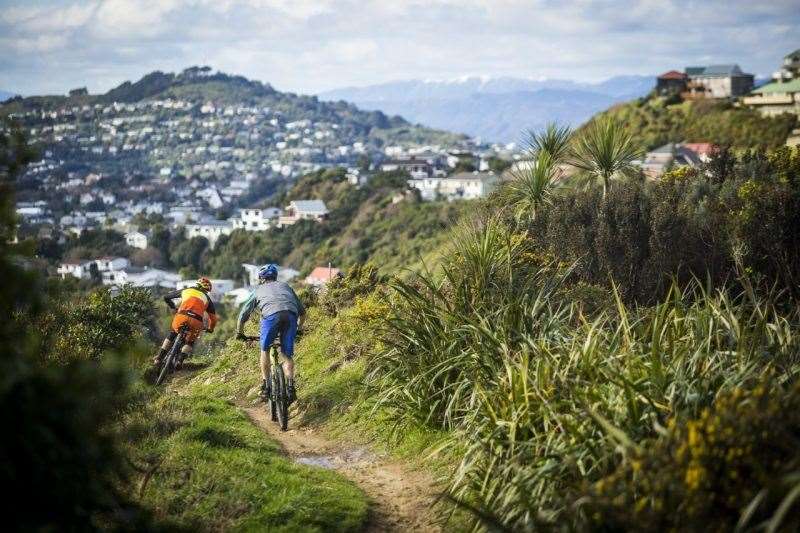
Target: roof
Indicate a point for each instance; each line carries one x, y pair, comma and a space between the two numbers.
472, 176
720, 71
791, 86
310, 206
324, 273
702, 148
672, 75
666, 149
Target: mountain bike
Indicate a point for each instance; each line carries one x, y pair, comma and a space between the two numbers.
278, 400
168, 364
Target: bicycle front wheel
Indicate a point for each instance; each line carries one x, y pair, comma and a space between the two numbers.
281, 399
169, 360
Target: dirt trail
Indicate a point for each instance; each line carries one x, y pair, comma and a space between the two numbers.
400, 497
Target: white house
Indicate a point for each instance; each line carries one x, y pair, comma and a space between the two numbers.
238, 296
256, 219
210, 229
108, 263
78, 269
141, 277
464, 185
136, 239
303, 210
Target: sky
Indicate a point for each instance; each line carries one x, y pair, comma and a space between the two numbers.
308, 46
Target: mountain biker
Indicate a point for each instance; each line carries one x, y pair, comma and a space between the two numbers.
280, 310
194, 303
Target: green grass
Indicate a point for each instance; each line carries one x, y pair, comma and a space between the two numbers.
216, 470
653, 122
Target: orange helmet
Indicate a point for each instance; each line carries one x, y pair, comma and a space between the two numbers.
204, 283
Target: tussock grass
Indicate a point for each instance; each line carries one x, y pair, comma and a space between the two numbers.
545, 397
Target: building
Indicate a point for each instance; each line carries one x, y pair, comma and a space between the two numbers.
464, 185
672, 82
416, 167
211, 229
141, 277
303, 210
136, 239
78, 269
716, 81
256, 219
790, 69
671, 155
782, 95
320, 276
108, 263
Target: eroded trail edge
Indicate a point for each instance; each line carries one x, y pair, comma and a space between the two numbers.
401, 498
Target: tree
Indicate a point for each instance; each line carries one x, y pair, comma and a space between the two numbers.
606, 151
61, 453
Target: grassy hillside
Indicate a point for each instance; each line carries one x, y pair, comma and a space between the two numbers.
654, 121
208, 467
381, 222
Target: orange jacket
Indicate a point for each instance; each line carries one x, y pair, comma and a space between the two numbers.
195, 301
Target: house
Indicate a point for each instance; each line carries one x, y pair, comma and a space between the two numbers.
464, 185
416, 167
219, 287
782, 95
716, 81
238, 296
672, 82
320, 276
303, 210
108, 263
136, 239
141, 277
78, 269
211, 229
790, 69
658, 161
256, 219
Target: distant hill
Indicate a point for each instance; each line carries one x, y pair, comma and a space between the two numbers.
495, 109
654, 121
199, 84
5, 95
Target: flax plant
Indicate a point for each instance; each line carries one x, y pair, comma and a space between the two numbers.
606, 151
545, 398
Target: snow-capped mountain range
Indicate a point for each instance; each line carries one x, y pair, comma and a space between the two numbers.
494, 109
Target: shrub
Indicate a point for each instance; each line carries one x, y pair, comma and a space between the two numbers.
734, 467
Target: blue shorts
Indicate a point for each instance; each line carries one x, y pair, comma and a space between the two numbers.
283, 323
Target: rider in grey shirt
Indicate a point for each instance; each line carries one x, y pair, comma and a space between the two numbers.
280, 309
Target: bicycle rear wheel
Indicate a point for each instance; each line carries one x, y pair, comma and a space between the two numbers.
281, 400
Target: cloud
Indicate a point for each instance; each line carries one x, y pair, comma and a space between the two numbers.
312, 45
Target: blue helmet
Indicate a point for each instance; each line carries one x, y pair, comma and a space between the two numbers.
269, 271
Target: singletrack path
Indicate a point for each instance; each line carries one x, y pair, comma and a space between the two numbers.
401, 498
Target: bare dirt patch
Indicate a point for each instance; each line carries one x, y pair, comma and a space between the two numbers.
401, 497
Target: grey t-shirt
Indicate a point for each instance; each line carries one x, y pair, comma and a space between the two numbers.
270, 298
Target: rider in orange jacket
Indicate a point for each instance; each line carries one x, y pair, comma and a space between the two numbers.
194, 304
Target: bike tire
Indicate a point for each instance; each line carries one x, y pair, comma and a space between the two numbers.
273, 407
281, 399
169, 360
